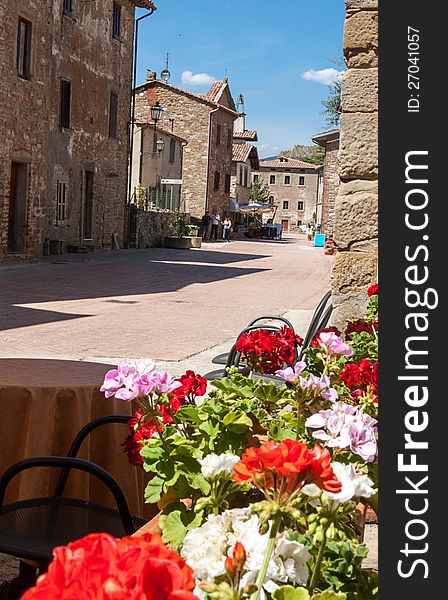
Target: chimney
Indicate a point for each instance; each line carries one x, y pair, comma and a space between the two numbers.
151, 75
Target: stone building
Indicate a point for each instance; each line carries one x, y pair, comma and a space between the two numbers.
293, 185
65, 86
157, 167
244, 158
206, 122
329, 140
356, 210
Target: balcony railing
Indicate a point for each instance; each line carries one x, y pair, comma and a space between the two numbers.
155, 199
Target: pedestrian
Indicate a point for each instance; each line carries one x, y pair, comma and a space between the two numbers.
206, 226
309, 231
227, 226
216, 220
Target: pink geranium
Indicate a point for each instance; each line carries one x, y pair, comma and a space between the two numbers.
333, 344
292, 374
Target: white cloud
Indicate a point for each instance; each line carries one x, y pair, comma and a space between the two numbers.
190, 78
324, 76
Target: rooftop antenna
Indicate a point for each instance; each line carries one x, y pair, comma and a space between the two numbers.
165, 74
226, 75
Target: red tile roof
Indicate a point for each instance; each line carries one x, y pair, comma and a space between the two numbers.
215, 91
289, 163
242, 152
247, 134
144, 4
201, 97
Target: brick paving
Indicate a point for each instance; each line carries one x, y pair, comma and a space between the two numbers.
166, 304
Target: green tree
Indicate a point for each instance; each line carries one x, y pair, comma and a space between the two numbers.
311, 154
259, 192
332, 105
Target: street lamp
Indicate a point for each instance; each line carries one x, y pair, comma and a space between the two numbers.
156, 112
165, 74
160, 144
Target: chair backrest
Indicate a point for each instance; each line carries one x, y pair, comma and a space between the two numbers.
80, 437
314, 325
323, 322
269, 318
72, 463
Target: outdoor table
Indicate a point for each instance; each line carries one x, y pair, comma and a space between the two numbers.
43, 405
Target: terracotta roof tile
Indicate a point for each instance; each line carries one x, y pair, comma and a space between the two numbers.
242, 152
214, 91
247, 134
286, 162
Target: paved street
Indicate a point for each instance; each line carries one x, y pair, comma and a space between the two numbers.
178, 307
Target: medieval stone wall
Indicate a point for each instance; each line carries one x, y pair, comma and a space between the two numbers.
80, 48
356, 207
331, 185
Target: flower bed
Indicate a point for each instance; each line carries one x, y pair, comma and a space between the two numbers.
257, 483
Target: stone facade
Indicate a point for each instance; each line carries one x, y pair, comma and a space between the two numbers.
356, 208
293, 185
63, 176
205, 121
325, 216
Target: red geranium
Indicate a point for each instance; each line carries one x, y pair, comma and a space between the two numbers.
266, 351
361, 325
101, 567
192, 385
280, 470
373, 290
362, 375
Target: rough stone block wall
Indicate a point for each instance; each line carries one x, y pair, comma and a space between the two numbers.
331, 186
152, 227
191, 121
356, 206
81, 49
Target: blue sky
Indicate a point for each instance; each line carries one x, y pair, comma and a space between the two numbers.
265, 47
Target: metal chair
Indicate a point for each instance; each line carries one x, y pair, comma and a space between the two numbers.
30, 529
316, 322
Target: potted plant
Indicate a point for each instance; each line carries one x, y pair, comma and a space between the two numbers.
186, 235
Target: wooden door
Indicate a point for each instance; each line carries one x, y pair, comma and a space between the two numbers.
285, 225
18, 204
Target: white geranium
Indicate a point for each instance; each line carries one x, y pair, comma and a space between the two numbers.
218, 465
353, 485
206, 548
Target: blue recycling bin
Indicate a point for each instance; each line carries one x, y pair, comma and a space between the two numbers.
319, 240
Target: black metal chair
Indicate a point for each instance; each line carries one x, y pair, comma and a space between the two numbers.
30, 529
318, 321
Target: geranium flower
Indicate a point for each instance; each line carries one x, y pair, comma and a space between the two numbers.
268, 352
354, 485
318, 386
280, 470
333, 344
361, 326
214, 466
292, 374
361, 375
192, 385
207, 548
332, 329
164, 384
373, 290
100, 566
345, 426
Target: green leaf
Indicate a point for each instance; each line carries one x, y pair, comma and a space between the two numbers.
175, 521
237, 421
154, 490
287, 592
152, 453
329, 594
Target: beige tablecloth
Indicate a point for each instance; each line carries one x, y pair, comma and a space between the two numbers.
43, 405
